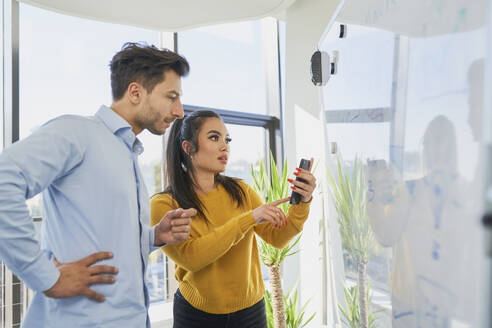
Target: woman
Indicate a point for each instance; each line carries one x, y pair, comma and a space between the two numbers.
218, 267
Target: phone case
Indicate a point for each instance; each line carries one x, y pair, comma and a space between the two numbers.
295, 197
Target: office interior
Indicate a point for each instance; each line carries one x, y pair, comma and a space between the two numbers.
396, 91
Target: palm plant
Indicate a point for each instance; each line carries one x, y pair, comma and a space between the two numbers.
348, 190
294, 315
351, 314
272, 189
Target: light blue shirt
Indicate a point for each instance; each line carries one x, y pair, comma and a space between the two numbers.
94, 199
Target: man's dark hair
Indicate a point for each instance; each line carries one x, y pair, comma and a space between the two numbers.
145, 64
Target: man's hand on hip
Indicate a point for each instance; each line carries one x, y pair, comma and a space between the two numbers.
76, 277
174, 227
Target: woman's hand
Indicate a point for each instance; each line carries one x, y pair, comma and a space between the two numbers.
271, 213
307, 187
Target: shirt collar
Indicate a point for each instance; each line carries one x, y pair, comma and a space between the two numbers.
111, 119
119, 127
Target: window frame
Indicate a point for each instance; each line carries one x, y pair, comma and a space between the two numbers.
13, 290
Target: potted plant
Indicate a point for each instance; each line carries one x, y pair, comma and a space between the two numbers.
272, 189
294, 316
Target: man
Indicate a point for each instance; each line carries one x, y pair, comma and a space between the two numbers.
95, 203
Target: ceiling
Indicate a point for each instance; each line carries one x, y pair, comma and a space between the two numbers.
167, 15
408, 17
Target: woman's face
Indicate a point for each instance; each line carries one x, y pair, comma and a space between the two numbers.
213, 147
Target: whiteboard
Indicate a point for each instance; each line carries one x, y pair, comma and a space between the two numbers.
408, 99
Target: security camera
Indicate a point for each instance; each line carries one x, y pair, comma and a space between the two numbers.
322, 67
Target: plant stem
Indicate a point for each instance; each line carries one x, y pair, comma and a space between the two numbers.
362, 294
277, 296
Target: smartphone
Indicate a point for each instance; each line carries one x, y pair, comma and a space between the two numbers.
295, 197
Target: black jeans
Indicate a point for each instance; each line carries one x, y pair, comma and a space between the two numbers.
186, 316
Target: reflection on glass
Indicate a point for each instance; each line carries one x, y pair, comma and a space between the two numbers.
433, 208
421, 162
357, 103
2, 268
367, 141
227, 70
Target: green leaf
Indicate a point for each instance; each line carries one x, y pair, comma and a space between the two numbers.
272, 188
294, 317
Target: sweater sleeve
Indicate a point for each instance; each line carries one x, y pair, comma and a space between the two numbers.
280, 238
198, 251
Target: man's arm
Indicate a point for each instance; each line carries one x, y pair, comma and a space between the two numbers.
26, 168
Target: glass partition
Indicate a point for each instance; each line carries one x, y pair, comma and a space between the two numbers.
404, 112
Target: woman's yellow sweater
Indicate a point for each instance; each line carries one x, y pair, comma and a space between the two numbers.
218, 266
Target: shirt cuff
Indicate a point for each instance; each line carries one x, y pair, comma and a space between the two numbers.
41, 274
152, 240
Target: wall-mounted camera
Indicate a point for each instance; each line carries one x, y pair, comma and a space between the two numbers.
323, 66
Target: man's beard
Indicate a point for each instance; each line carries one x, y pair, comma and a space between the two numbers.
147, 123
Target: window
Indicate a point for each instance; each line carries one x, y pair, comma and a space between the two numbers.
151, 166
227, 70
248, 147
70, 75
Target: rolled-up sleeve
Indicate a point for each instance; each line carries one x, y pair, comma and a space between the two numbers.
26, 168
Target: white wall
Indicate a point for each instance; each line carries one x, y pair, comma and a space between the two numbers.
306, 21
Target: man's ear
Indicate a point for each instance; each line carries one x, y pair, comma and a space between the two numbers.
135, 92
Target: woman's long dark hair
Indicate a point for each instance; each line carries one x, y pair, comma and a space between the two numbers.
180, 172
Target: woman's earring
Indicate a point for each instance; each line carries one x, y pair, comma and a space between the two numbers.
184, 167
